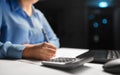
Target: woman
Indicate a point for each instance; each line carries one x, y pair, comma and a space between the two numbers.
21, 34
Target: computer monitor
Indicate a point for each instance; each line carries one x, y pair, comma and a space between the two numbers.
88, 24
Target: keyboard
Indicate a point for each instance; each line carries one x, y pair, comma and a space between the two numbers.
97, 56
103, 56
68, 62
113, 54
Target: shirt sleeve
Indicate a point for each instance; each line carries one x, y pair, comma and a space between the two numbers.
9, 50
53, 39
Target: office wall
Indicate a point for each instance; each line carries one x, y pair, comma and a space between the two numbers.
67, 18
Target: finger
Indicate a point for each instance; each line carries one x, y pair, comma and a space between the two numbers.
46, 56
49, 45
50, 52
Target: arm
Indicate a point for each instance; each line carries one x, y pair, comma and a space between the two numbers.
9, 50
43, 51
51, 35
17, 51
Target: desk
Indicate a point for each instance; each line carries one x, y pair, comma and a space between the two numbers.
29, 67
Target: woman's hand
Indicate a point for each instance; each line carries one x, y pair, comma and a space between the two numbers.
43, 51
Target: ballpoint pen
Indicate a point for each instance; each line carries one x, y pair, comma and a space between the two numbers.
45, 35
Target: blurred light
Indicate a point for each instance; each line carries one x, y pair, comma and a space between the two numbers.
104, 21
96, 38
100, 3
95, 25
103, 4
91, 17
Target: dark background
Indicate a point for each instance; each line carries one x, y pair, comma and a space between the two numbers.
68, 20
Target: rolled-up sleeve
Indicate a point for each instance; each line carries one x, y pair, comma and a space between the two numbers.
9, 50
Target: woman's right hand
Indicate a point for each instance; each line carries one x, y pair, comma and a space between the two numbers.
43, 51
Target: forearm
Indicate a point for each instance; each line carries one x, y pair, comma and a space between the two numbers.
9, 50
28, 51
43, 51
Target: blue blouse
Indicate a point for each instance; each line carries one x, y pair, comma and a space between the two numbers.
18, 28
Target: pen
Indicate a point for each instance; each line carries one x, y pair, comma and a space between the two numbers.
45, 35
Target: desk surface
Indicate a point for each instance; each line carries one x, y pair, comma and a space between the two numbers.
30, 67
